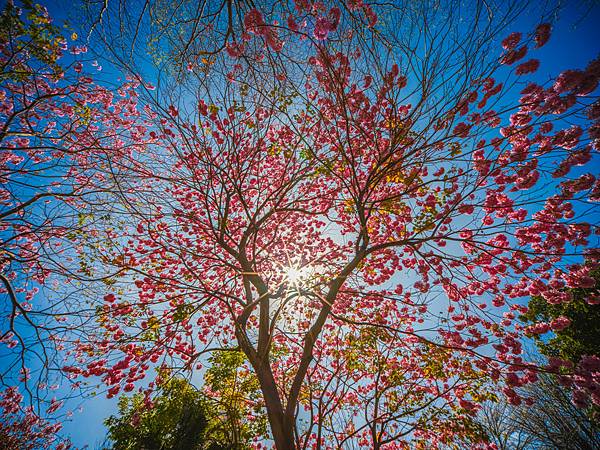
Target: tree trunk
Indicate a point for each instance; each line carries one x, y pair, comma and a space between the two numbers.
282, 426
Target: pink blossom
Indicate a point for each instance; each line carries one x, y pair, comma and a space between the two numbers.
234, 49
555, 297
593, 299
542, 34
511, 41
560, 323
538, 328
590, 363
321, 30
326, 25
273, 41
512, 56
54, 406
462, 130
292, 25
580, 278
520, 119
529, 66
371, 16
254, 21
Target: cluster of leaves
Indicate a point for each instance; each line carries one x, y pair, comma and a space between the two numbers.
175, 420
32, 35
226, 414
237, 408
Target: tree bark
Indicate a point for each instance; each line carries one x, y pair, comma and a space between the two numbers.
282, 426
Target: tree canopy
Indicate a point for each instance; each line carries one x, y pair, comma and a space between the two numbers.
347, 205
176, 420
179, 418
227, 413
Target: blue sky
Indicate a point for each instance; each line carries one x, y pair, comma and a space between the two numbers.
573, 44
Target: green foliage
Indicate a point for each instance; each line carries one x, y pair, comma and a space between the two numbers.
178, 421
236, 397
184, 418
581, 337
471, 432
32, 37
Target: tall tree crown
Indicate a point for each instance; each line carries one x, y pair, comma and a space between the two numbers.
311, 184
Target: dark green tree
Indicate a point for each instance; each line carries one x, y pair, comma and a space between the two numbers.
177, 421
226, 414
581, 336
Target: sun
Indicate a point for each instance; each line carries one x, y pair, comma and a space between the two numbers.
296, 276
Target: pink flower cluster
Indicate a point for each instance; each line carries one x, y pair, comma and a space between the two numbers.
529, 66
560, 323
255, 23
21, 428
511, 41
586, 381
326, 25
542, 34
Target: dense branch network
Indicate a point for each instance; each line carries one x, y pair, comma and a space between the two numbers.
313, 184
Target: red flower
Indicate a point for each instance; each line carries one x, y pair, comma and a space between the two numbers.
511, 41
528, 67
542, 34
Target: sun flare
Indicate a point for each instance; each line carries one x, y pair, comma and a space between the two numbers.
296, 276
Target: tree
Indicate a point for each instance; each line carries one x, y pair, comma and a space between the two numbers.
550, 421
573, 318
182, 417
175, 419
350, 197
575, 322
55, 125
30, 48
21, 428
